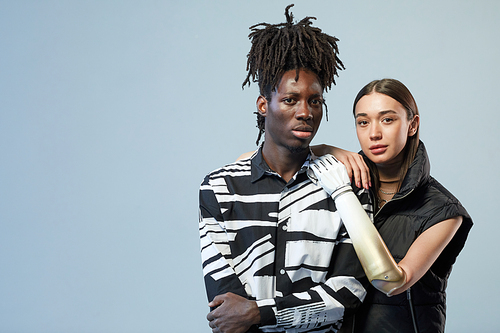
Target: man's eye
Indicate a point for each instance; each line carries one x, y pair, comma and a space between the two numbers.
288, 100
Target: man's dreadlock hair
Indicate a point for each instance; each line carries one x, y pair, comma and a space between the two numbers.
278, 48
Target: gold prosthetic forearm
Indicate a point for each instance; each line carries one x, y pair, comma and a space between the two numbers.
378, 263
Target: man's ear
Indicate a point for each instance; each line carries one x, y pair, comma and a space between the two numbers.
262, 105
414, 125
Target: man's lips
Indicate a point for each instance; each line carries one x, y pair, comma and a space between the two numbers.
378, 149
302, 132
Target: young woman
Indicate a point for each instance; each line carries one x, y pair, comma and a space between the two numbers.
420, 226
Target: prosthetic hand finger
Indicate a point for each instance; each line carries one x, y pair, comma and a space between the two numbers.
331, 174
311, 174
378, 263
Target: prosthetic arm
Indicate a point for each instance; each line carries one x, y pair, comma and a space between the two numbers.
378, 263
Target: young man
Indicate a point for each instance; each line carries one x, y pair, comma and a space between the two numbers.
275, 255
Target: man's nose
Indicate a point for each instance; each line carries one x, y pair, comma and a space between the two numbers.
304, 111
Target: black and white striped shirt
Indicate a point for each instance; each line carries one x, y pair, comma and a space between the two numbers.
280, 244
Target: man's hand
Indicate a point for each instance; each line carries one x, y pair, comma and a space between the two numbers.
234, 314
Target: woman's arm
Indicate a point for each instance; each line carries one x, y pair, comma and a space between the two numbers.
425, 250
245, 155
378, 263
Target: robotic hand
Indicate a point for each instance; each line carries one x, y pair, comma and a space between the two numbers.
378, 263
331, 174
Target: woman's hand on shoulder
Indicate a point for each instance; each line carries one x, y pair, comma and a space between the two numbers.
353, 162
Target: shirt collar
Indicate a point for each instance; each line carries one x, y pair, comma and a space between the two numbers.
259, 167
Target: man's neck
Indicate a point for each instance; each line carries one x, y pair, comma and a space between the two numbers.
283, 161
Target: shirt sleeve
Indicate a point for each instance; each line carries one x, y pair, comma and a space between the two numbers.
216, 260
325, 304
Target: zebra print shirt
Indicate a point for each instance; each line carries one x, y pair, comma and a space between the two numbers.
280, 244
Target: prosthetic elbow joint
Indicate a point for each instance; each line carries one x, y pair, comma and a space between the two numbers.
389, 282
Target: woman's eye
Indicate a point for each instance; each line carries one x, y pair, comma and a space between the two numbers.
387, 120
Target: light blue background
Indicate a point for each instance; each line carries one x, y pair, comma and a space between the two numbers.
112, 112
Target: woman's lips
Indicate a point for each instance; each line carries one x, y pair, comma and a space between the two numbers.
378, 149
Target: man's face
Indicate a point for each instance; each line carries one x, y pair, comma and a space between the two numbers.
293, 115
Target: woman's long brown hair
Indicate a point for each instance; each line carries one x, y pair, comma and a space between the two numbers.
398, 91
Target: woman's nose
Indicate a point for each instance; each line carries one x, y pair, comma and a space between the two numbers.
375, 133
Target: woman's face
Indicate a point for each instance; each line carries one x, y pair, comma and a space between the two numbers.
383, 128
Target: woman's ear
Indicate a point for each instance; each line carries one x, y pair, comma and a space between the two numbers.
414, 125
262, 105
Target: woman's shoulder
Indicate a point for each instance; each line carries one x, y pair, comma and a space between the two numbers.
437, 194
438, 203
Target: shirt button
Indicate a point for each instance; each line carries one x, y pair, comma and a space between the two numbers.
282, 271
285, 227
